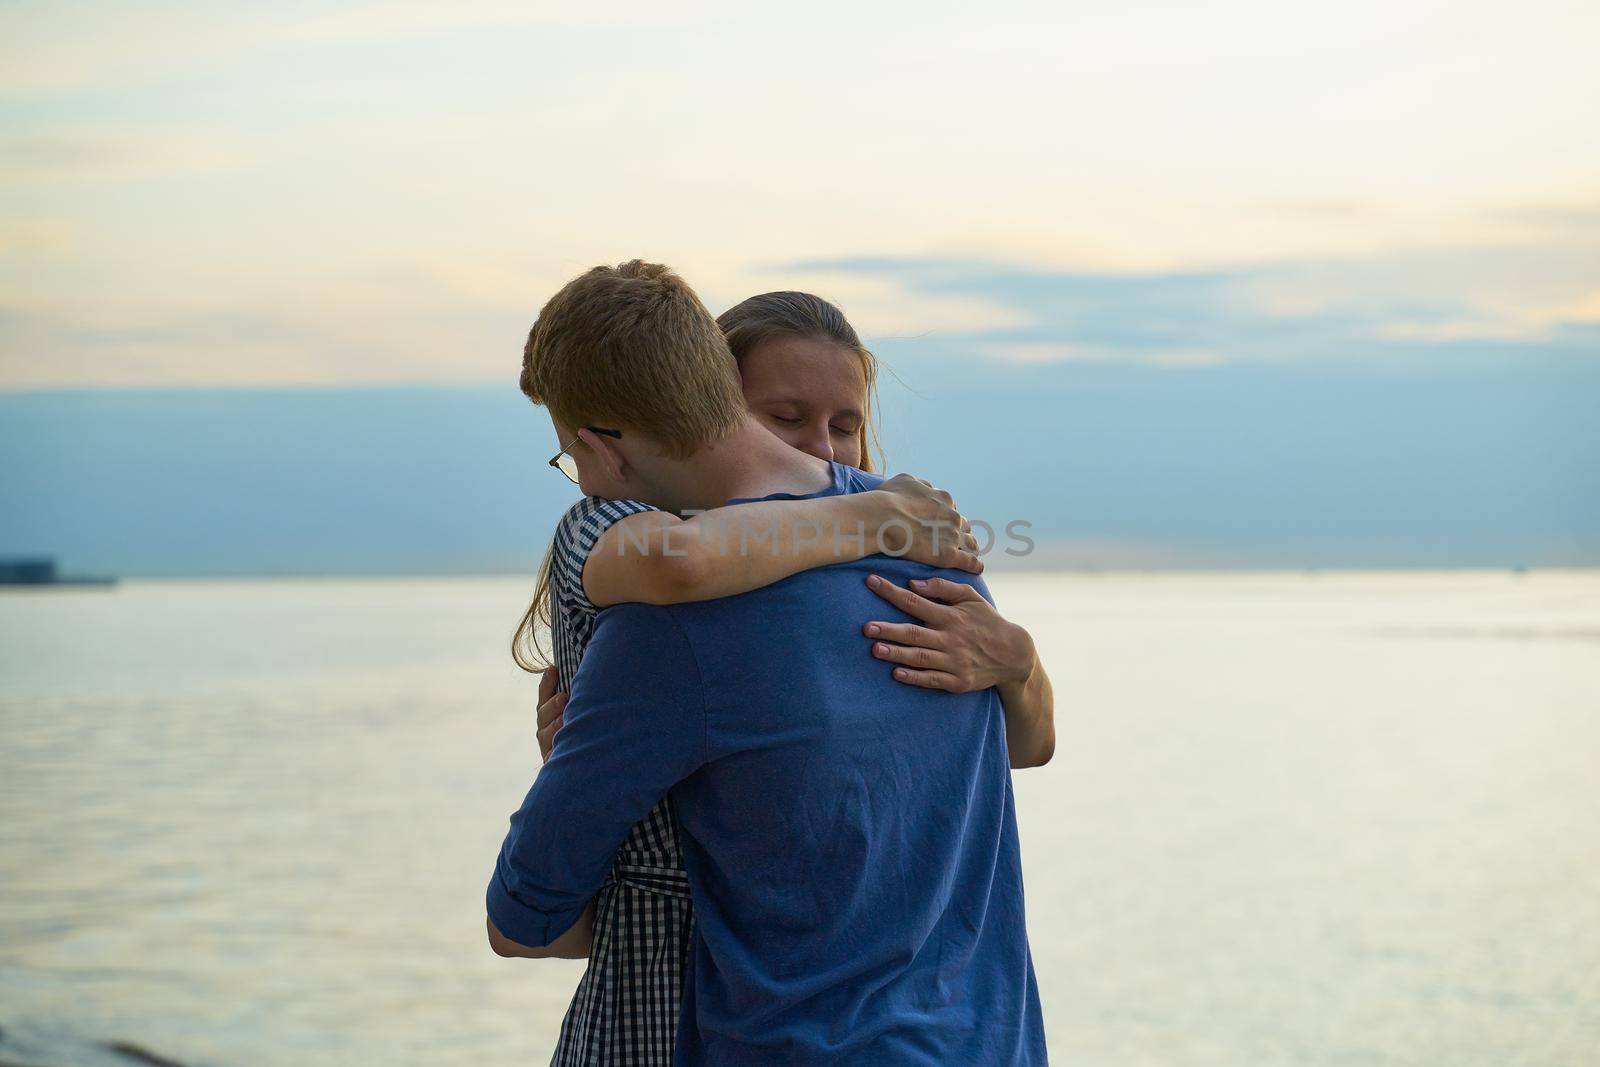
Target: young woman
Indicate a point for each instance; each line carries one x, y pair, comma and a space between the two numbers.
809, 379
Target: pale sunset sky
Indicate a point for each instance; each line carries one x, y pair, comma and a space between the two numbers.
314, 194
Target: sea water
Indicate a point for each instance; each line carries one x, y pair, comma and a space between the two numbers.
1293, 818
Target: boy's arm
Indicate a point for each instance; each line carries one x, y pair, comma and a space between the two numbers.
572, 945
635, 726
656, 558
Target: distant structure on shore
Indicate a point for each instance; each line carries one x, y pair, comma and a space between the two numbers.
41, 570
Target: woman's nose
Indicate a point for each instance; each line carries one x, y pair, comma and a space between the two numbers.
818, 442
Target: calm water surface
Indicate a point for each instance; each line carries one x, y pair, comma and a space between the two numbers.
1335, 819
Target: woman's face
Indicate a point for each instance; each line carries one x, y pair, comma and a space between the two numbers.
810, 393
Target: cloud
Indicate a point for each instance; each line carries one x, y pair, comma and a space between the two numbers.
881, 305
463, 318
36, 238
1530, 294
1555, 219
403, 326
46, 51
104, 156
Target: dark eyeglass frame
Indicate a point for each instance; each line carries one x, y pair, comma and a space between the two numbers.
572, 475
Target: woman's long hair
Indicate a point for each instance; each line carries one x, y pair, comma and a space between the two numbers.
745, 325
526, 648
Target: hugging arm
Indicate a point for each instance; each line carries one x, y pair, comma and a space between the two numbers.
960, 643
657, 558
635, 726
654, 557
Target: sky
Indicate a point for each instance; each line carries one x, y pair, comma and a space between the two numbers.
290, 196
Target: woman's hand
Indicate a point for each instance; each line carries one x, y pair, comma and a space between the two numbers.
919, 522
962, 643
552, 705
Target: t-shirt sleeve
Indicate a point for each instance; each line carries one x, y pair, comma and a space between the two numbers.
579, 530
635, 726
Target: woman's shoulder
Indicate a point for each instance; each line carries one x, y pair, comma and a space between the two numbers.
585, 521
577, 532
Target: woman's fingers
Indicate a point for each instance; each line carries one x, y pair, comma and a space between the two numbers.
552, 708
904, 599
927, 504
963, 560
951, 546
945, 590
957, 535
923, 659
927, 679
966, 556
547, 736
904, 633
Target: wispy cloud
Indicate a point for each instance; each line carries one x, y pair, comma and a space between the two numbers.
102, 156
1540, 293
463, 320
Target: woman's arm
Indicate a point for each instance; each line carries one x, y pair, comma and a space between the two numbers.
657, 558
964, 644
1030, 706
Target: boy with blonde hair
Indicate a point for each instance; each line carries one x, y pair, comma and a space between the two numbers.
850, 843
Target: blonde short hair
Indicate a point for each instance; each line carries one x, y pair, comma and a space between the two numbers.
631, 346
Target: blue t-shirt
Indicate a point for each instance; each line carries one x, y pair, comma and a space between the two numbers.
850, 841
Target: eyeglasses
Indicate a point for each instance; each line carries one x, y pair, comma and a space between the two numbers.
563, 461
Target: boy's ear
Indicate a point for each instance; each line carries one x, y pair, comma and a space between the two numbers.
605, 450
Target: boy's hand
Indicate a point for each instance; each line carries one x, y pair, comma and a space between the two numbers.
938, 535
551, 706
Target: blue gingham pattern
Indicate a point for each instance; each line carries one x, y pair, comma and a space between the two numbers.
625, 1010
